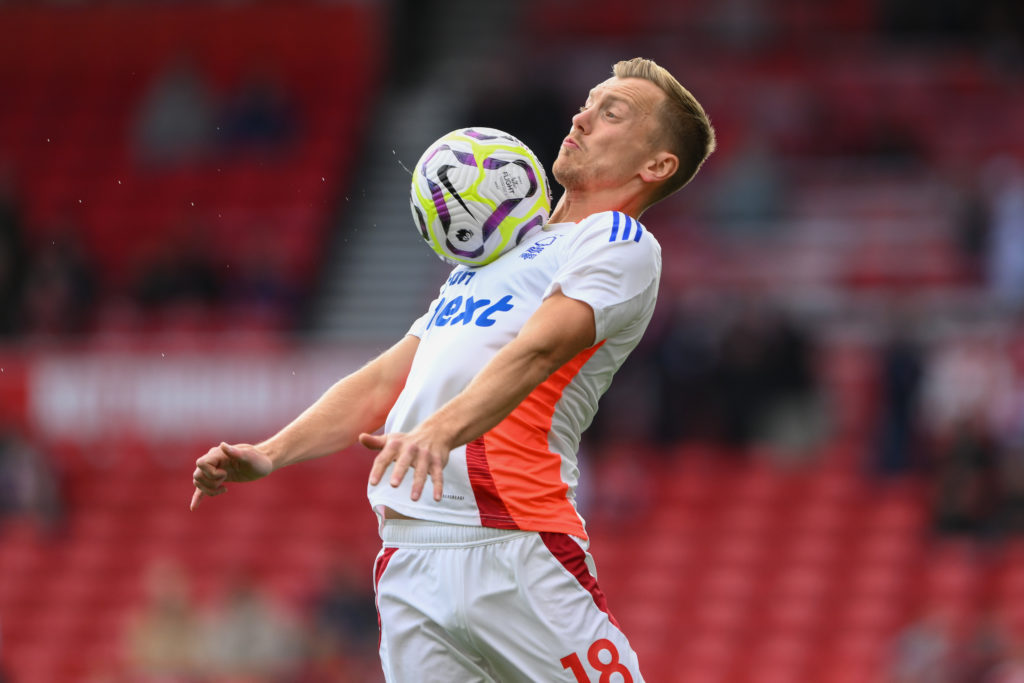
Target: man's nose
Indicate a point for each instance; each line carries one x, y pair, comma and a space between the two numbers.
581, 121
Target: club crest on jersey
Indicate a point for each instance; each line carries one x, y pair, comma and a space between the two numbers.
538, 247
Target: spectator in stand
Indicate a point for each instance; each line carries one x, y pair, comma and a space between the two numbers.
180, 275
986, 650
794, 418
175, 121
341, 640
259, 289
60, 287
4, 675
901, 372
750, 192
13, 255
741, 24
979, 23
1009, 429
973, 226
1011, 478
683, 358
966, 488
740, 383
1004, 177
1011, 669
251, 637
412, 24
923, 652
765, 386
259, 114
891, 141
28, 485
163, 644
965, 383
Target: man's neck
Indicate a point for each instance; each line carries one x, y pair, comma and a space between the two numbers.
575, 205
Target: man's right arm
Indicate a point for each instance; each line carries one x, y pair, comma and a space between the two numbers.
358, 403
355, 404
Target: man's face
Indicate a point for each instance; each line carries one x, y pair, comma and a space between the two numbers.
612, 136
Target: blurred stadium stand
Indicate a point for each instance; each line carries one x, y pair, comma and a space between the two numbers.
76, 76
865, 150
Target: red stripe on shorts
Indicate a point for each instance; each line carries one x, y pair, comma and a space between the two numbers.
493, 512
572, 557
378, 571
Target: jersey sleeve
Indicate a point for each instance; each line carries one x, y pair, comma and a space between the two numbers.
419, 326
613, 265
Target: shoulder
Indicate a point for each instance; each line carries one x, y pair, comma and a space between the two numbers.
616, 231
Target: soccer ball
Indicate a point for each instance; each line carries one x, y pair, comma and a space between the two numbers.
476, 193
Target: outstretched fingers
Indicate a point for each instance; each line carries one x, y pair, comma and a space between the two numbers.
405, 454
403, 462
383, 459
427, 462
418, 461
437, 476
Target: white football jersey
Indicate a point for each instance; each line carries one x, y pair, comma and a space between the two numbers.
522, 474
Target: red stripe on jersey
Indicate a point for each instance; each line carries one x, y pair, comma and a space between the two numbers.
571, 556
378, 571
493, 512
527, 474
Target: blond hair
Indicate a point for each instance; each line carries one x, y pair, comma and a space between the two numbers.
683, 120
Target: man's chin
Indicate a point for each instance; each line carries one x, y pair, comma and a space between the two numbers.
567, 176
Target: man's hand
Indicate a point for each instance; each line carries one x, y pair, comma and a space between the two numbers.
416, 449
224, 463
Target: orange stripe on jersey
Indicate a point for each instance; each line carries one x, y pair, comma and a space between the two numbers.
519, 478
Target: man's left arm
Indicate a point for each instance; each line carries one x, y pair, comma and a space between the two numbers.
560, 329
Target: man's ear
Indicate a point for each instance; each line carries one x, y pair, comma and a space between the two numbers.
661, 166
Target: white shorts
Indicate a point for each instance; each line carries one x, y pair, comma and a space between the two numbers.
461, 604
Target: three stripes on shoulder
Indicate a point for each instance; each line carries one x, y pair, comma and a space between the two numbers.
625, 228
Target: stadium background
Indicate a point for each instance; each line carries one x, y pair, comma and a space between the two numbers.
811, 470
